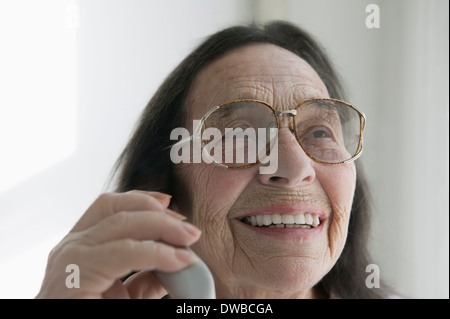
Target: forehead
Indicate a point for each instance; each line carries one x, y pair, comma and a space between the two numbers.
258, 71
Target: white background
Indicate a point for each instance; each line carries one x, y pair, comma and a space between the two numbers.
75, 75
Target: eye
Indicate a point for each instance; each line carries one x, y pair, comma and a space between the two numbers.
320, 133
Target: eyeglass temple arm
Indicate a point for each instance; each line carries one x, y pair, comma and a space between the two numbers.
196, 132
180, 142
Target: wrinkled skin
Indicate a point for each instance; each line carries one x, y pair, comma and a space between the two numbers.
246, 263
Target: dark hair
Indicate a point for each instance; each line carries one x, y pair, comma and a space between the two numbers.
145, 162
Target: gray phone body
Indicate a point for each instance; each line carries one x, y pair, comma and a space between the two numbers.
195, 282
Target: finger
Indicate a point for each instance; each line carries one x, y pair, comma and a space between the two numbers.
116, 291
144, 285
118, 258
110, 203
142, 225
163, 198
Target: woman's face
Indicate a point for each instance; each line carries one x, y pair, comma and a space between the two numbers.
261, 262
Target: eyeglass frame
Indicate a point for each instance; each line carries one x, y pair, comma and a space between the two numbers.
292, 113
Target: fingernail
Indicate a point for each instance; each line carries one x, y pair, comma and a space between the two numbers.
174, 214
191, 229
164, 199
186, 256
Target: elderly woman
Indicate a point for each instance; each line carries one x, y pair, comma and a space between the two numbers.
298, 230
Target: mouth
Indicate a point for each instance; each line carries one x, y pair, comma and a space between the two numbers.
285, 222
278, 220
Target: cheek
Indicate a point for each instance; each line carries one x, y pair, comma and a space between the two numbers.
208, 193
339, 184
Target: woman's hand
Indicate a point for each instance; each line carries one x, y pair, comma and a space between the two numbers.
120, 233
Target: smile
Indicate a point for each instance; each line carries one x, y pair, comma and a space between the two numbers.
277, 220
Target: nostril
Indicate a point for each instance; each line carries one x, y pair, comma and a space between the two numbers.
275, 178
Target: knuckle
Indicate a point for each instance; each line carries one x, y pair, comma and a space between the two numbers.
105, 197
105, 202
69, 249
126, 245
120, 220
157, 249
60, 247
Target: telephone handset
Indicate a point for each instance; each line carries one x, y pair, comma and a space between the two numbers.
194, 282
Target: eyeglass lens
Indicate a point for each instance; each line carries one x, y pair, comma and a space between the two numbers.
238, 134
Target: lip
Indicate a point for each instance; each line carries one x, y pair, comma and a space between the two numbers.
287, 233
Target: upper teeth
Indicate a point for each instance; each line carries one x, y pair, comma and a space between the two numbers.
283, 220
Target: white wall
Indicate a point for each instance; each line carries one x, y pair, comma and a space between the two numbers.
78, 74
398, 74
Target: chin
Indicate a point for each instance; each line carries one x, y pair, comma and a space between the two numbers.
285, 278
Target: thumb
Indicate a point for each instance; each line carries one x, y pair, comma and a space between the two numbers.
144, 285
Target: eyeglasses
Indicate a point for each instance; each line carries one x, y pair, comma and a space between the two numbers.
328, 130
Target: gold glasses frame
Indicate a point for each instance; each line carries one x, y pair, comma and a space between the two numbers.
292, 113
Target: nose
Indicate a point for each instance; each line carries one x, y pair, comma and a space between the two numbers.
294, 166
